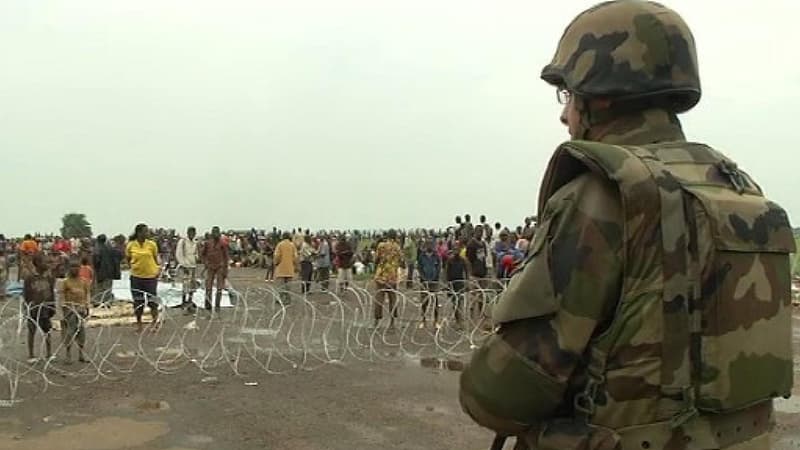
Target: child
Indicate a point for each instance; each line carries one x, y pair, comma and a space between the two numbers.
429, 267
76, 294
457, 273
86, 272
39, 303
269, 261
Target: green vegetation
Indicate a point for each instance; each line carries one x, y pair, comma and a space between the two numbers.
75, 225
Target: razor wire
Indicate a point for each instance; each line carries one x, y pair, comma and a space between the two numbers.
270, 329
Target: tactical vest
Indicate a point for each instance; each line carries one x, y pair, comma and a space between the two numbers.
701, 339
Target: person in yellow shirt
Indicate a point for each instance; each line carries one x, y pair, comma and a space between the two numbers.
142, 255
76, 294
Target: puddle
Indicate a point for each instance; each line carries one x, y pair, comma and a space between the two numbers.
90, 436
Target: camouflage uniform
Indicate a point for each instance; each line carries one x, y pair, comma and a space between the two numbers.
653, 309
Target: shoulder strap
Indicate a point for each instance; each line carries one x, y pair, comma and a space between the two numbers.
678, 295
654, 227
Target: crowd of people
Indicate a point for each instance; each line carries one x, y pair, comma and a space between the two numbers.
77, 273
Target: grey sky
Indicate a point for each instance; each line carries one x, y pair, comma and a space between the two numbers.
401, 113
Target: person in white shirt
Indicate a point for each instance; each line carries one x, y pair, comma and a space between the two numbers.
493, 244
75, 246
186, 255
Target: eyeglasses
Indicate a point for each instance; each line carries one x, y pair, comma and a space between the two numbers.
563, 95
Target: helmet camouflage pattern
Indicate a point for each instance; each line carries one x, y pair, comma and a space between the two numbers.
628, 50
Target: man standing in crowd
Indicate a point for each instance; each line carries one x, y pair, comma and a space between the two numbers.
456, 268
298, 238
430, 266
410, 255
487, 230
285, 263
307, 256
186, 255
476, 254
106, 268
527, 230
457, 229
477, 257
215, 258
75, 246
466, 229
493, 244
324, 262
344, 262
40, 303
389, 259
27, 249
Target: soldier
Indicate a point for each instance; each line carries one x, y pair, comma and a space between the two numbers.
653, 309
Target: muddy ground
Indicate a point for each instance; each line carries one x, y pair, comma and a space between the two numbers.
357, 406
394, 402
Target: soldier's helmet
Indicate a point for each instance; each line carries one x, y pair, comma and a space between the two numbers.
628, 50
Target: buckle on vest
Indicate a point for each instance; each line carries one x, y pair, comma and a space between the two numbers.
584, 401
732, 173
584, 405
688, 412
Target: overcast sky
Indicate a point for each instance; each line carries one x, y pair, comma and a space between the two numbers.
328, 114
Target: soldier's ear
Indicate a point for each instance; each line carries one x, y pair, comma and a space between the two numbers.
599, 103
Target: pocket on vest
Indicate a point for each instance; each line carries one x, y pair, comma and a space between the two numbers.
745, 343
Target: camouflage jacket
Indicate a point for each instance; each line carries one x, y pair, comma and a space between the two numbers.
655, 288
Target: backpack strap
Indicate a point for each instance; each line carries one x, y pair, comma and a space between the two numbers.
678, 289
654, 217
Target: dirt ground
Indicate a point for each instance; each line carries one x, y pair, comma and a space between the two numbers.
400, 403
357, 406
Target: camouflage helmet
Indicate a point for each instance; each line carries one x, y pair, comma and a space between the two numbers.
628, 50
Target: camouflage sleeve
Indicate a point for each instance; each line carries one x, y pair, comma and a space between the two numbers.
567, 288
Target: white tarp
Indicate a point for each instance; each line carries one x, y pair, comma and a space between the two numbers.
171, 294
